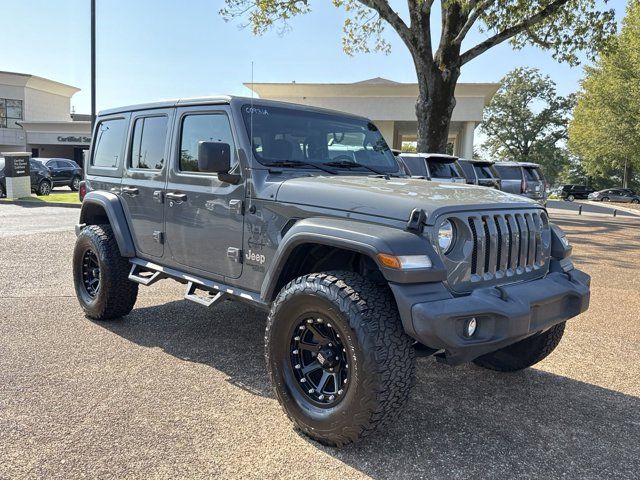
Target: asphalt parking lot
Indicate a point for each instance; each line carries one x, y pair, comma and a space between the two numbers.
178, 391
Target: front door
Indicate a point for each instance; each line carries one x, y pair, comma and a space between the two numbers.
204, 215
144, 178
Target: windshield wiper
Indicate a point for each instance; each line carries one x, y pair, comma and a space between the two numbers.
349, 164
298, 163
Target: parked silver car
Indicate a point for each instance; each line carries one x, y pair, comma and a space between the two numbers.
523, 178
623, 195
433, 166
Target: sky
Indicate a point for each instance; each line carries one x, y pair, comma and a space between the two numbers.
149, 50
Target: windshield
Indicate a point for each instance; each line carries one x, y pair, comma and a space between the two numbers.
285, 135
440, 169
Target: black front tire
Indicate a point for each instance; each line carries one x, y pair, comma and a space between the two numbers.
525, 353
115, 295
75, 184
379, 355
44, 188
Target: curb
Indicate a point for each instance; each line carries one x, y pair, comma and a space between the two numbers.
615, 206
31, 203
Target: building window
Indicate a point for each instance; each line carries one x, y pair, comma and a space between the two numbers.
10, 113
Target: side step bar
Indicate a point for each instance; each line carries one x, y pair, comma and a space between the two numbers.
207, 301
147, 273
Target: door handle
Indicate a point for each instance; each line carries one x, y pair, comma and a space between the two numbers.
132, 191
176, 197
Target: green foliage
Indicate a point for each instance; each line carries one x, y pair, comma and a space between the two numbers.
605, 130
527, 122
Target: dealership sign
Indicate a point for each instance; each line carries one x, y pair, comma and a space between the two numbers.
72, 139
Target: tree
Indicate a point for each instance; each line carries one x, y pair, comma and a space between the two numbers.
527, 121
564, 27
605, 129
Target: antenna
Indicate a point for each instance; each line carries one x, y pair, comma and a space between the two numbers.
251, 114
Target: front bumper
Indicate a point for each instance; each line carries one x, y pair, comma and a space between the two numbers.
504, 315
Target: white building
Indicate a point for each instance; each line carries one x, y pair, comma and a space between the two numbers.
391, 106
35, 117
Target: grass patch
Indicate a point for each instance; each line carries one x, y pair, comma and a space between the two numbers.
66, 197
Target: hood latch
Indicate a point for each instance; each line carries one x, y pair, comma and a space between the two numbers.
417, 220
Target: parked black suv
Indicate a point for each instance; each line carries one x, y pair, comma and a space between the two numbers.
305, 213
575, 192
64, 173
41, 183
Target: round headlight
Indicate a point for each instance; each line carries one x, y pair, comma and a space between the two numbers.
446, 235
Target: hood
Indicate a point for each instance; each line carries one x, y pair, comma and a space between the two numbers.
394, 198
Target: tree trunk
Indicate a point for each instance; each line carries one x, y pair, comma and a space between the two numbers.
434, 107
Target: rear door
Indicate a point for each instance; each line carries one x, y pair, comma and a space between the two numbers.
441, 170
533, 182
511, 178
144, 178
204, 216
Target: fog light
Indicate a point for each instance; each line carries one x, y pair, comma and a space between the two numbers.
470, 327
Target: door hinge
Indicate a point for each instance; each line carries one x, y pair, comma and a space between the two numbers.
235, 254
236, 206
158, 236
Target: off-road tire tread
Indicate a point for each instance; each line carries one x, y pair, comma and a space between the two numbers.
119, 293
388, 350
525, 353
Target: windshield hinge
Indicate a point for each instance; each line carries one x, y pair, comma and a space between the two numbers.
417, 220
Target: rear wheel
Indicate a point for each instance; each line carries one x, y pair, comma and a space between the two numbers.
605, 199
44, 188
101, 275
525, 353
339, 360
75, 184
635, 200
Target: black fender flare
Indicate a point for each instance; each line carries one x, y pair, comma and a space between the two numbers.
110, 204
362, 237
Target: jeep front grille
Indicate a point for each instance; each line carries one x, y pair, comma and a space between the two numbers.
498, 247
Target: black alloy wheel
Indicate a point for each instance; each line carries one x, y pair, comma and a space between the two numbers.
319, 360
90, 273
44, 188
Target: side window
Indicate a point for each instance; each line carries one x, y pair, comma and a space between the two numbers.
109, 137
467, 168
213, 127
149, 140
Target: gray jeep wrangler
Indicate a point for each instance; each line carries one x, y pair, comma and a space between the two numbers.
306, 213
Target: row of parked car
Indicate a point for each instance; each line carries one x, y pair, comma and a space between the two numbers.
514, 177
521, 178
48, 173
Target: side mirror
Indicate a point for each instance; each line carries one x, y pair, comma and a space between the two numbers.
214, 157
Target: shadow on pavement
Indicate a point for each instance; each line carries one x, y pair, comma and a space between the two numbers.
460, 422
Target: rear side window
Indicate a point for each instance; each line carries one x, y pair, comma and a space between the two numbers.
109, 139
443, 169
202, 128
531, 174
509, 173
416, 165
149, 140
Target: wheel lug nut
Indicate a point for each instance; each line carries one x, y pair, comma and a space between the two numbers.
309, 321
319, 320
329, 325
321, 397
330, 344
311, 390
301, 327
332, 397
297, 339
303, 380
297, 367
345, 381
340, 392
295, 352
